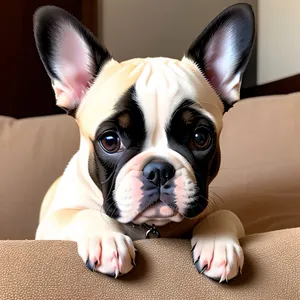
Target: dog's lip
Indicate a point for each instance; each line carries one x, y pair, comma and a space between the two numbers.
159, 217
158, 220
158, 211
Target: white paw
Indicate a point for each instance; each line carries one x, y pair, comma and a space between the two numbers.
219, 258
111, 253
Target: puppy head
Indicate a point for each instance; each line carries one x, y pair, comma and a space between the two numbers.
149, 127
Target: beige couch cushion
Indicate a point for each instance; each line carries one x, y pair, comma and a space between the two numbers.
260, 171
33, 153
53, 270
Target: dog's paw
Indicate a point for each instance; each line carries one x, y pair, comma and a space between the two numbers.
219, 258
111, 253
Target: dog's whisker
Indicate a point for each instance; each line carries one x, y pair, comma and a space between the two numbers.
218, 197
111, 215
220, 187
108, 208
109, 193
112, 173
115, 168
213, 205
109, 177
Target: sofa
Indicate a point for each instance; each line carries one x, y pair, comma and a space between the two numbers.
259, 180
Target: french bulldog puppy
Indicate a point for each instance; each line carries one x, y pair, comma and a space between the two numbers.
149, 143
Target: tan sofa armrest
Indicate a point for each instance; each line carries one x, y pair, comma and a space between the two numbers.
53, 270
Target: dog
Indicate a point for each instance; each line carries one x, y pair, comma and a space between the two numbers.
149, 143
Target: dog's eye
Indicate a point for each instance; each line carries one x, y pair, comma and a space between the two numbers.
110, 141
201, 138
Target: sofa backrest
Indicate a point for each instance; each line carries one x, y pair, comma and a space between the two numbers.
259, 177
33, 153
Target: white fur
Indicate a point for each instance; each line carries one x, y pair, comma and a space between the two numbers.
216, 244
161, 87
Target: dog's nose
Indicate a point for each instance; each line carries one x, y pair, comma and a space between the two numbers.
158, 172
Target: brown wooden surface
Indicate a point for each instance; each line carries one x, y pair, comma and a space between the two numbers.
283, 86
89, 15
26, 89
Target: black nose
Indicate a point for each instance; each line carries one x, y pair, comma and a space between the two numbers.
158, 172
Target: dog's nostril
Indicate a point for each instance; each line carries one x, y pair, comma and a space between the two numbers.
165, 174
151, 175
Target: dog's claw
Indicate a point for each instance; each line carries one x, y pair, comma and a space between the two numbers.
117, 273
223, 278
87, 263
196, 260
113, 275
193, 247
203, 269
198, 267
90, 266
133, 263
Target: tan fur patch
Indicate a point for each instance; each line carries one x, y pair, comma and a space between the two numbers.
124, 120
187, 117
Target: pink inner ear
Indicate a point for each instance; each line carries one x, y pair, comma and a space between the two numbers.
73, 64
220, 59
67, 97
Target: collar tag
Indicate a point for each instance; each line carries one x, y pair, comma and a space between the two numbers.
153, 230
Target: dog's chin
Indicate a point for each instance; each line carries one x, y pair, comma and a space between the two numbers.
158, 214
157, 221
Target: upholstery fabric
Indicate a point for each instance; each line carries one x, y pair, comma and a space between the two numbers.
53, 270
260, 167
33, 153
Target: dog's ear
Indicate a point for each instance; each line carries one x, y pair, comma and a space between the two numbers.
223, 49
70, 54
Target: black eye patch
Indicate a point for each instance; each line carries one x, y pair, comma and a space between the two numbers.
185, 124
128, 123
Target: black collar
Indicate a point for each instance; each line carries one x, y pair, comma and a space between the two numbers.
142, 231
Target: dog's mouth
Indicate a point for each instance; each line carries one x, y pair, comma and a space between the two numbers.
159, 214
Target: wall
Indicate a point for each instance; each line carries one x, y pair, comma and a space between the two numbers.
26, 87
278, 39
140, 28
